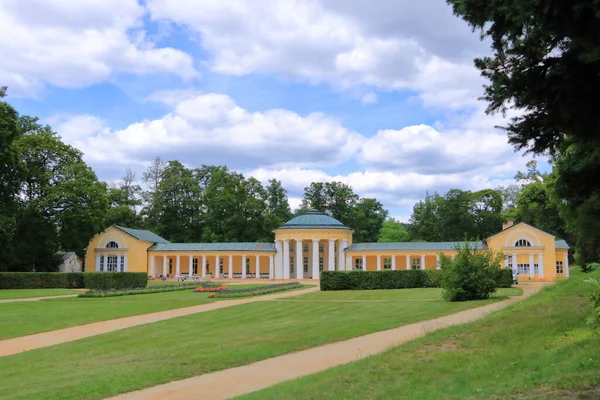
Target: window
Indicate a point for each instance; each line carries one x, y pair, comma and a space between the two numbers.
111, 264
305, 264
122, 268
559, 267
292, 246
536, 269
387, 263
170, 266
358, 263
247, 265
305, 247
510, 261
101, 263
221, 265
416, 263
195, 266
523, 268
320, 247
522, 243
321, 263
112, 245
291, 264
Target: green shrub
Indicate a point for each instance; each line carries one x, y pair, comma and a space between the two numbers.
115, 280
434, 277
594, 320
139, 290
372, 280
41, 280
586, 268
503, 277
471, 275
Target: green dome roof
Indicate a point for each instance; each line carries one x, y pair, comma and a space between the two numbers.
313, 219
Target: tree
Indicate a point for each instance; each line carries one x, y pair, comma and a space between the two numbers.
486, 208
393, 231
368, 217
424, 221
124, 200
335, 199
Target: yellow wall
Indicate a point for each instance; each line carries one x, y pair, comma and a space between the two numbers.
128, 245
309, 234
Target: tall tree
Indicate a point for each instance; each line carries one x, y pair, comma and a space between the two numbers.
124, 200
393, 231
368, 217
333, 198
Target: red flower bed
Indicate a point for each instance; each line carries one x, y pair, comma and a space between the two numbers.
211, 289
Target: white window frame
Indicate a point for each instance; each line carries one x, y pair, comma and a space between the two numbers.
305, 263
415, 263
560, 267
387, 263
195, 266
112, 263
522, 243
358, 263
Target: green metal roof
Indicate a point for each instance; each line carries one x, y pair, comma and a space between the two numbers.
141, 234
267, 247
412, 246
561, 244
313, 220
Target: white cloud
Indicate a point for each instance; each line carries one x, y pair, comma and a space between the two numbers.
75, 44
384, 45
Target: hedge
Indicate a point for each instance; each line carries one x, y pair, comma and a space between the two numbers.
72, 280
393, 279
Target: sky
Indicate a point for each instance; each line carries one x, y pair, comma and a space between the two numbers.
381, 95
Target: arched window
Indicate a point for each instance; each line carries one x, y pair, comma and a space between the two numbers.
112, 245
522, 243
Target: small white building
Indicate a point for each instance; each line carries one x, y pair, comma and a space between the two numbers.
70, 262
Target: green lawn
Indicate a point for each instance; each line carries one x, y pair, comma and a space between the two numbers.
392, 295
538, 349
28, 293
147, 355
19, 319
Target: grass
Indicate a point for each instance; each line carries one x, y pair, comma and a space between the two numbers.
392, 295
148, 355
538, 349
6, 294
20, 319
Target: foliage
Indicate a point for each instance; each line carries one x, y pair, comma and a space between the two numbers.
368, 216
393, 231
232, 293
471, 275
590, 267
137, 290
114, 280
503, 277
373, 280
41, 280
594, 320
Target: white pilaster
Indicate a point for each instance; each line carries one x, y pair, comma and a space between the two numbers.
408, 266
341, 259
437, 261
125, 262
378, 262
286, 259
191, 266
331, 257
541, 264
278, 273
531, 262
204, 266
315, 259
244, 266
515, 265
178, 266
422, 261
567, 264
349, 265
98, 263
505, 261
164, 266
299, 259
257, 267
393, 262
230, 267
364, 263
217, 267
271, 266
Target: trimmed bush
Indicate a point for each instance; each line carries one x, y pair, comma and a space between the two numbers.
503, 277
115, 280
41, 280
373, 280
434, 277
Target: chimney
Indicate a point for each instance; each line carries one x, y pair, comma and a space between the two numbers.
507, 225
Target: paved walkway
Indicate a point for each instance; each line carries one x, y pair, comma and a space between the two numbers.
260, 375
36, 298
38, 340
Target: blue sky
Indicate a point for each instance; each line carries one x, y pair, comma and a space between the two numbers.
380, 95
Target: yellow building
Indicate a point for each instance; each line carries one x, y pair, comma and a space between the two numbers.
311, 243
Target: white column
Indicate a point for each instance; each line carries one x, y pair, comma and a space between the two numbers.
505, 261
378, 263
364, 263
178, 266
286, 259
349, 265
341, 259
230, 267
191, 266
164, 266
422, 261
271, 266
515, 266
437, 261
278, 273
204, 266
531, 262
244, 266
257, 267
315, 259
567, 264
217, 267
331, 257
408, 266
393, 262
125, 262
151, 264
541, 264
299, 259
